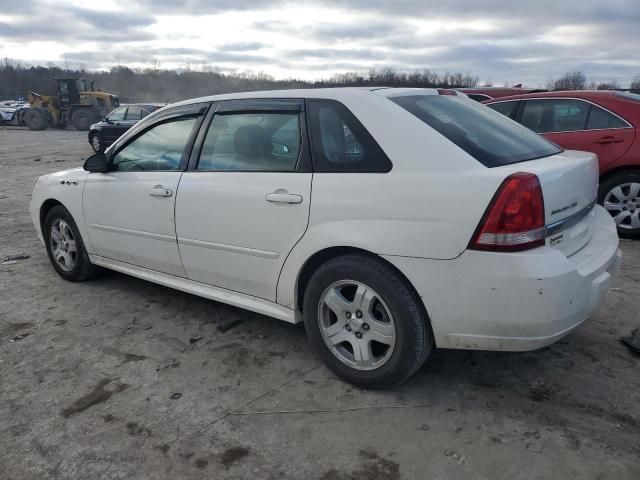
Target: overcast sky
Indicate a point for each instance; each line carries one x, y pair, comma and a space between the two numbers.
502, 41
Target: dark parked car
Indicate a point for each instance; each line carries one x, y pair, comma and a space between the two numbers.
121, 119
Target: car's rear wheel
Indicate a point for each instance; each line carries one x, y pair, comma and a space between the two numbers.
365, 322
65, 247
96, 143
620, 196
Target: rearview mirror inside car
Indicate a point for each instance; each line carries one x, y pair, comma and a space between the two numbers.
96, 163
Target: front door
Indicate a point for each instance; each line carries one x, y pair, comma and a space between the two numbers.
114, 125
244, 207
129, 211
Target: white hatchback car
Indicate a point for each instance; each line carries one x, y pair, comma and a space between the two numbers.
390, 221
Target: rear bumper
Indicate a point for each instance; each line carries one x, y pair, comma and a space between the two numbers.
515, 301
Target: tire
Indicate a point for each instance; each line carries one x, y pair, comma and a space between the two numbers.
395, 311
35, 119
80, 268
625, 204
96, 143
83, 119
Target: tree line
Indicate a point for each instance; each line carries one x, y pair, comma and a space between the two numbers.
577, 80
160, 85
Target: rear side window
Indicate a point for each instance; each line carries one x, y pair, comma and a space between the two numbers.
488, 136
601, 119
134, 113
561, 115
505, 108
340, 143
259, 141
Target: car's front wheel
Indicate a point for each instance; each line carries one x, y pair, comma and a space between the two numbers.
365, 322
620, 196
96, 143
65, 247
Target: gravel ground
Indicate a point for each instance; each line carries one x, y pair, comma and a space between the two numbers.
119, 378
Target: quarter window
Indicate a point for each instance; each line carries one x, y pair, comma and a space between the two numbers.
261, 141
601, 119
340, 143
159, 148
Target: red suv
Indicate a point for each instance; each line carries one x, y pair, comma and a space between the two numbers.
603, 122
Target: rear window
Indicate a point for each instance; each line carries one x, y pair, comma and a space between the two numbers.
486, 135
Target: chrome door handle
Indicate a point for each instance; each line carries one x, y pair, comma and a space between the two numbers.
283, 197
160, 191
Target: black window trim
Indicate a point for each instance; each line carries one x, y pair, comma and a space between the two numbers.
356, 119
515, 109
255, 105
197, 110
486, 97
585, 129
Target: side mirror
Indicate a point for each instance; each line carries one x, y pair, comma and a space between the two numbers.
96, 163
107, 119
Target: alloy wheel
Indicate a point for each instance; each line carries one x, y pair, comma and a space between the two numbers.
623, 203
63, 245
356, 325
95, 143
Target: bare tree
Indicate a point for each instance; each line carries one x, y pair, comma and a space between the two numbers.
611, 85
635, 84
574, 80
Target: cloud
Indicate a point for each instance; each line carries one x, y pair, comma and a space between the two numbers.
242, 46
497, 39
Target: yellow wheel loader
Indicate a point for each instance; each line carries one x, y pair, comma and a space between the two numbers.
74, 104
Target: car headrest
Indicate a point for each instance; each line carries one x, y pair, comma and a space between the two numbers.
252, 141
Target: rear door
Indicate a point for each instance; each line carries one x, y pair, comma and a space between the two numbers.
244, 202
576, 124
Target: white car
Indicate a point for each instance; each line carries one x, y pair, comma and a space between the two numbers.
7, 113
390, 221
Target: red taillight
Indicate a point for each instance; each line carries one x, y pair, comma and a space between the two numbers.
515, 218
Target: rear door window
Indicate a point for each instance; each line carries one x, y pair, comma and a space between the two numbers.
488, 136
260, 141
340, 143
134, 113
555, 115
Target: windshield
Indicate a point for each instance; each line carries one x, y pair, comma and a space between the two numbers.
488, 136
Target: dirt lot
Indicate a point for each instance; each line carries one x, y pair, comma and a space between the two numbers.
119, 378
